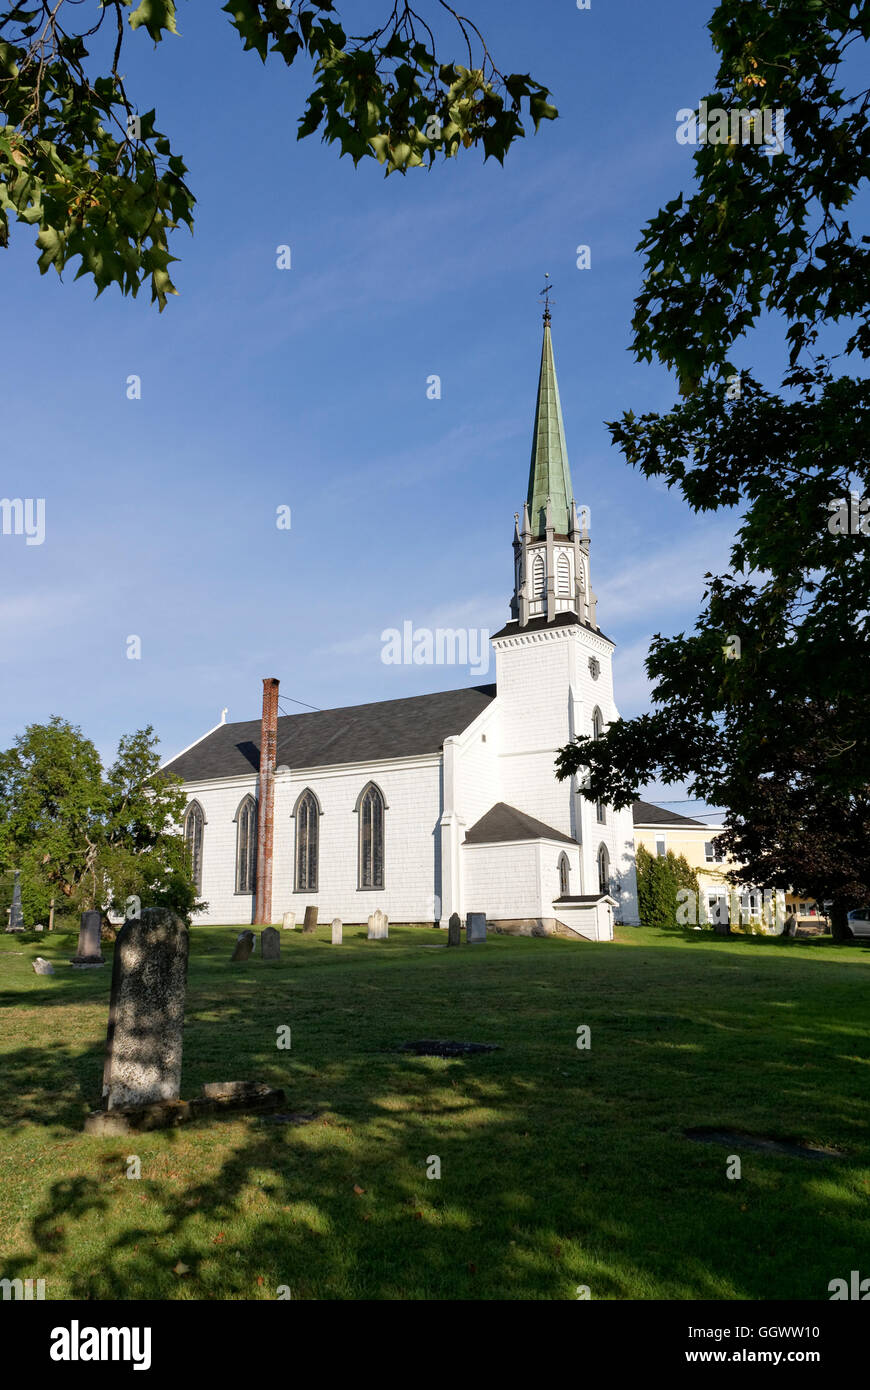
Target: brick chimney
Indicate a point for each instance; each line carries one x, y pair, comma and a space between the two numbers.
266, 802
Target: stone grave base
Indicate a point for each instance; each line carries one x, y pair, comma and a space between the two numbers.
218, 1098
86, 962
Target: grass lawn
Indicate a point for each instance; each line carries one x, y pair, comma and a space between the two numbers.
559, 1167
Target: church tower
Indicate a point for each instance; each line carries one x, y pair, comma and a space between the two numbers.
554, 671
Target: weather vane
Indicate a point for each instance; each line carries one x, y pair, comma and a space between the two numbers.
545, 295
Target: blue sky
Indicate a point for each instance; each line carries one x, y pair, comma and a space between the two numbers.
307, 388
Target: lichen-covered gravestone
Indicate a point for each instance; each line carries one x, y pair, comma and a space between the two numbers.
146, 1011
244, 946
454, 930
270, 943
310, 920
336, 931
89, 950
16, 917
379, 926
475, 927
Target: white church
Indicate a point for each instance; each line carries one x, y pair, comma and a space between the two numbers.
442, 803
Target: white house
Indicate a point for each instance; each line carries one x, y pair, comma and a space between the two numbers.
442, 803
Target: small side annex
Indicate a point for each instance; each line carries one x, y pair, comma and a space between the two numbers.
520, 871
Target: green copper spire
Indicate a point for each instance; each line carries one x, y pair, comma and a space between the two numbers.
549, 474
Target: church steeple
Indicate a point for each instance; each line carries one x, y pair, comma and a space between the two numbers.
549, 474
551, 544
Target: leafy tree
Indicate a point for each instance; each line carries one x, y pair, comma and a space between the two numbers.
87, 837
102, 183
659, 879
765, 708
807, 839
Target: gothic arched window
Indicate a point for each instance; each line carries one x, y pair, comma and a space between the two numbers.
307, 815
563, 574
539, 587
371, 837
597, 723
564, 872
603, 870
194, 821
246, 846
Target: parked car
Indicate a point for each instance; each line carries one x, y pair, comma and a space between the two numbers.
859, 921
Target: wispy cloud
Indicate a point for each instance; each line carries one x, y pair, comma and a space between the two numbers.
471, 613
27, 616
460, 448
668, 579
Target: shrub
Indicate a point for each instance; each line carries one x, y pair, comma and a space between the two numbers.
659, 879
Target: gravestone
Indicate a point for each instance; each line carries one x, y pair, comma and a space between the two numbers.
270, 943
310, 920
288, 921
39, 927
146, 1010
243, 947
89, 952
454, 930
16, 916
42, 966
475, 927
379, 926
336, 931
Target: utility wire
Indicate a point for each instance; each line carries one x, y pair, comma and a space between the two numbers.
316, 708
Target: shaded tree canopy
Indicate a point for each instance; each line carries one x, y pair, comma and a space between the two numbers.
99, 181
765, 707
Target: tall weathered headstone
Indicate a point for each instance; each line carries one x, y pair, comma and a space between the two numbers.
288, 921
270, 943
244, 946
89, 952
454, 930
146, 1010
379, 926
475, 927
16, 916
336, 931
310, 922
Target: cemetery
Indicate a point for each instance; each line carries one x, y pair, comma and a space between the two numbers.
345, 1113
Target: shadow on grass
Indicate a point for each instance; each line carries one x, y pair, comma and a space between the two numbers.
558, 1168
704, 937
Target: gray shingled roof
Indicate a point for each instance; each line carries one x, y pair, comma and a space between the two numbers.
358, 733
645, 813
503, 822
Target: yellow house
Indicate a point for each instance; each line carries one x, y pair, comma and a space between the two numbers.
807, 911
661, 831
